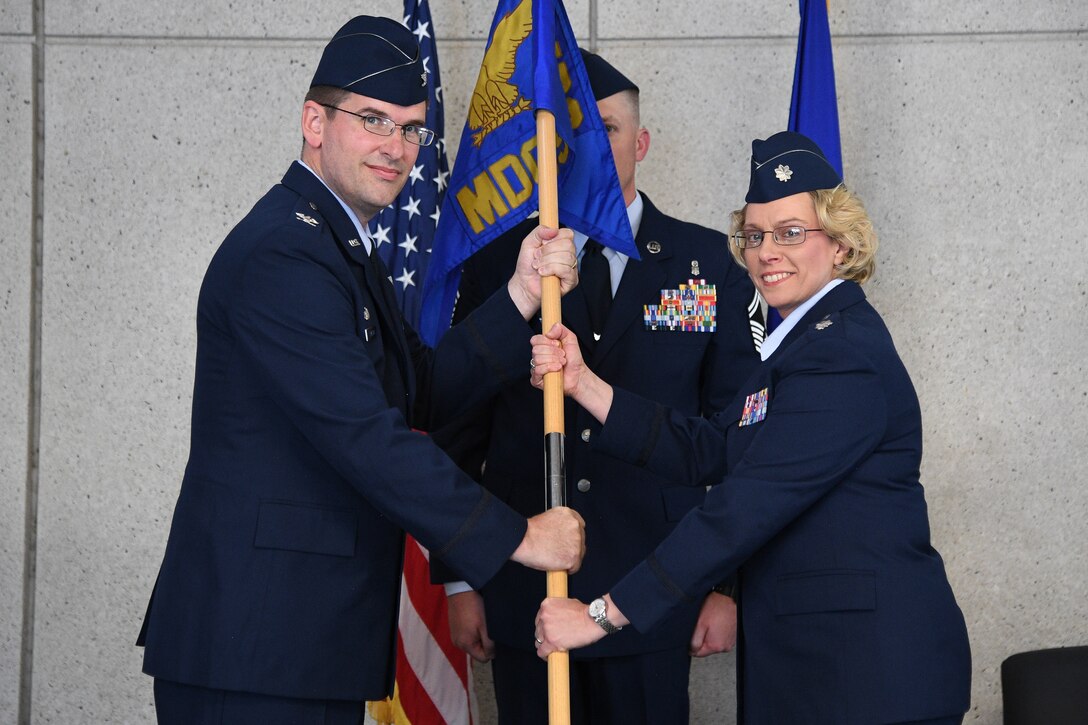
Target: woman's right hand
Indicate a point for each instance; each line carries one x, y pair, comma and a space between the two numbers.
557, 350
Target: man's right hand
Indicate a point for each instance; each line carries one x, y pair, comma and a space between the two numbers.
468, 627
554, 541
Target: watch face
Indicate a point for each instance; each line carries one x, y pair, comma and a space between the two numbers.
596, 608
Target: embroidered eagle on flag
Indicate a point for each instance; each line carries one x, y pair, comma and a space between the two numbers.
495, 100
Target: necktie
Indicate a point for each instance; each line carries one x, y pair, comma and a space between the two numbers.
596, 280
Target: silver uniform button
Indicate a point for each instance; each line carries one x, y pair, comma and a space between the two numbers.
583, 485
585, 435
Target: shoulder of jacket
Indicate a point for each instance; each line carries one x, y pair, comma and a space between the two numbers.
838, 337
282, 219
681, 238
305, 218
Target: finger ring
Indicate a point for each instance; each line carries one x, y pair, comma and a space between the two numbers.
532, 364
538, 640
574, 265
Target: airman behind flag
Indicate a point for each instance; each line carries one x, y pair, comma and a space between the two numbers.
531, 62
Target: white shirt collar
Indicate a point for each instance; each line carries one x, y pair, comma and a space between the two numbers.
364, 233
775, 338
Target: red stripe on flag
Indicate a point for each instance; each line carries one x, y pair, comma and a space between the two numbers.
429, 601
414, 699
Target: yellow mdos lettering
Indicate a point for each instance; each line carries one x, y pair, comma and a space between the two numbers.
479, 202
493, 193
528, 157
562, 150
528, 154
499, 174
574, 109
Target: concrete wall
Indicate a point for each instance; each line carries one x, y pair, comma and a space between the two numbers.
162, 122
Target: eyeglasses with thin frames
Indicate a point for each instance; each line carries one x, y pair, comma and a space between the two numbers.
786, 236
383, 126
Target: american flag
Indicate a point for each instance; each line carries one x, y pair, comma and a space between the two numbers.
403, 231
434, 678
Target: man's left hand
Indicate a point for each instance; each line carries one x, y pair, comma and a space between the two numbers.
716, 628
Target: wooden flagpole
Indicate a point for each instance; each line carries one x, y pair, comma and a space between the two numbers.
554, 427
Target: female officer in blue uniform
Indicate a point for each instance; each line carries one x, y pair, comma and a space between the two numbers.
846, 615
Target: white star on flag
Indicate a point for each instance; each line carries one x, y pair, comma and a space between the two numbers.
440, 180
380, 236
412, 207
416, 174
409, 244
405, 278
421, 31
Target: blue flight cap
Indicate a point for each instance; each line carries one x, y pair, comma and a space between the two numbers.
375, 57
787, 164
603, 78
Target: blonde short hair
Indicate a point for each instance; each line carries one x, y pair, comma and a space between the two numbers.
843, 218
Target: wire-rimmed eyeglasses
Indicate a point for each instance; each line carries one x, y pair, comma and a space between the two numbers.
787, 236
383, 126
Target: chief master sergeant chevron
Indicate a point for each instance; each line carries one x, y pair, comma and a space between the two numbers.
277, 597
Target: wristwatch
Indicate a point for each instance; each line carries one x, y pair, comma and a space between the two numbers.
598, 610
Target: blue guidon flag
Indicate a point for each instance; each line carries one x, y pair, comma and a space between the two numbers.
531, 62
814, 110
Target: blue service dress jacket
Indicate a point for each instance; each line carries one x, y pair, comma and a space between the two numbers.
627, 509
282, 570
846, 614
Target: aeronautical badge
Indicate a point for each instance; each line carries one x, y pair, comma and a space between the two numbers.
695, 268
823, 324
692, 308
306, 218
783, 173
755, 408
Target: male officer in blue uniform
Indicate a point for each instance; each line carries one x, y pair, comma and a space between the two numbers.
630, 678
277, 598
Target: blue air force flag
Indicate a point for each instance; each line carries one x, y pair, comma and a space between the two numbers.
531, 62
814, 110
